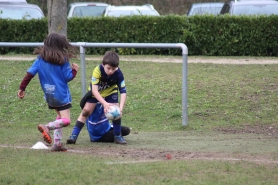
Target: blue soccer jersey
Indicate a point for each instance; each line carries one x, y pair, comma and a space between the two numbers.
97, 124
54, 81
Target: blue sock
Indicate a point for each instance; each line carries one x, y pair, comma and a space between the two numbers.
77, 128
117, 127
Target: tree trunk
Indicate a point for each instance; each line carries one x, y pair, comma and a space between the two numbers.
57, 16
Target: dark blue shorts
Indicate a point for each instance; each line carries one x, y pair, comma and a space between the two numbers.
64, 107
113, 98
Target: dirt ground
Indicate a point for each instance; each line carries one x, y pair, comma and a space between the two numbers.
250, 143
231, 143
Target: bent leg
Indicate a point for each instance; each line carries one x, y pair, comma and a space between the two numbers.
62, 122
86, 112
81, 120
125, 131
107, 137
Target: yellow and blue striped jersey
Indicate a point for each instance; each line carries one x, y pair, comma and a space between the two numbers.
108, 85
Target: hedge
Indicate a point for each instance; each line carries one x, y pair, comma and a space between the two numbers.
207, 35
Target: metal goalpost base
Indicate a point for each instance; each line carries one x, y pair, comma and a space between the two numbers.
83, 45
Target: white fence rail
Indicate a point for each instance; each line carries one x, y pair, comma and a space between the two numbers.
83, 45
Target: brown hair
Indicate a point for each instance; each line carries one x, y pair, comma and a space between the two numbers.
111, 58
56, 49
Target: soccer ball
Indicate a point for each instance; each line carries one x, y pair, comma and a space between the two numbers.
113, 113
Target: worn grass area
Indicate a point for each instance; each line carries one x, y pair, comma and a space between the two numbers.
229, 97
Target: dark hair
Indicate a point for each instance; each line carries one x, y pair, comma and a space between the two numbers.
111, 58
56, 49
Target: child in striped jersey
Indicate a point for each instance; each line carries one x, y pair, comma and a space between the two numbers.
107, 81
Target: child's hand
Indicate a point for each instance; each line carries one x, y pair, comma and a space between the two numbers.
106, 107
74, 66
21, 94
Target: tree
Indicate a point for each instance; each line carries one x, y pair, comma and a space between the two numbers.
57, 16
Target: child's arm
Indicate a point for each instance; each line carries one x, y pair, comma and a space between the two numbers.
101, 100
122, 103
28, 77
20, 94
69, 71
122, 90
75, 68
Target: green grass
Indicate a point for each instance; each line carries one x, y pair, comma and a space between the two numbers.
218, 96
60, 168
25, 167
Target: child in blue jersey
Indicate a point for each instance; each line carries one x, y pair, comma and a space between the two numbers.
107, 81
54, 70
99, 127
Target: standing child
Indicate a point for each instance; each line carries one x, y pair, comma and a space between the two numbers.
107, 80
55, 71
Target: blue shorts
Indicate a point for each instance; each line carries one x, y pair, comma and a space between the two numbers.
113, 98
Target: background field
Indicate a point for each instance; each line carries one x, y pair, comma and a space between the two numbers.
231, 137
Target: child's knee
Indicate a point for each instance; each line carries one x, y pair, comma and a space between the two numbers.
85, 113
66, 122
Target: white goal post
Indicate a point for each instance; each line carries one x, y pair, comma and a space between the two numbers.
83, 45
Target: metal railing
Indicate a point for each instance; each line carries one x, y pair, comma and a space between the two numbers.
83, 45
